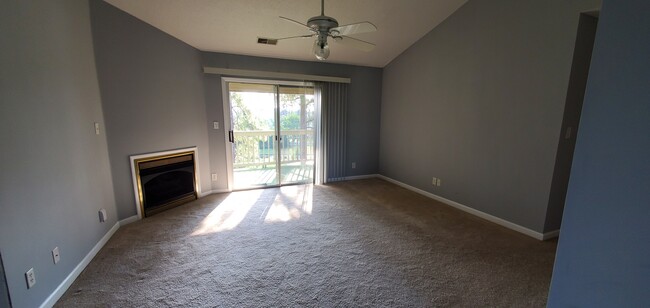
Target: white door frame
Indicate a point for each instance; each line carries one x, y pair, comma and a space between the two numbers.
227, 123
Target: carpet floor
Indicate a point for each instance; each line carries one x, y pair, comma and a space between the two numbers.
364, 243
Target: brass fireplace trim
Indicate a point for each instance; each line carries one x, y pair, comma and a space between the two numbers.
175, 203
182, 200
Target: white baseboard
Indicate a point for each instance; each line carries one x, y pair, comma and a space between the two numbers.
474, 212
352, 178
204, 193
129, 220
551, 234
360, 177
214, 191
67, 282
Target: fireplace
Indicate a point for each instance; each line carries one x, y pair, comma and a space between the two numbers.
164, 180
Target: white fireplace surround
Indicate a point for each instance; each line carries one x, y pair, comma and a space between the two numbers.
134, 158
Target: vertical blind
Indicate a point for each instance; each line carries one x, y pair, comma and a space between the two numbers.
334, 97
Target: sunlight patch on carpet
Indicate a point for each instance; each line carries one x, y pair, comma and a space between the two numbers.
291, 203
230, 213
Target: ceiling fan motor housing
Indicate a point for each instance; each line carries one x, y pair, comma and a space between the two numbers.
322, 23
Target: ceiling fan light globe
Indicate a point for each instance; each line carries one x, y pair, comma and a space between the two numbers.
321, 51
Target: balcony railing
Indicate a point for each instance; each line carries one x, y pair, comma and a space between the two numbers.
256, 149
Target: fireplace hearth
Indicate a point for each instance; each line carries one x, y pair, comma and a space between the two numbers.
165, 181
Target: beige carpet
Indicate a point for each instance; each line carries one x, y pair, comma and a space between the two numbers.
358, 243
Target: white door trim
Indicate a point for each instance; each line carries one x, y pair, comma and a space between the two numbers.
227, 125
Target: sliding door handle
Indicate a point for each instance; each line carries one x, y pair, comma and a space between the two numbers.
231, 136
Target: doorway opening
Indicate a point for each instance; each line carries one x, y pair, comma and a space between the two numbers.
585, 38
271, 133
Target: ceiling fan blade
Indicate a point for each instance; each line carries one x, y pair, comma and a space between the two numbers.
355, 43
297, 36
360, 27
295, 22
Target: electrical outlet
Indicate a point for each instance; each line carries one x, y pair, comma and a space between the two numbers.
96, 128
354, 165
214, 177
30, 277
438, 182
434, 181
215, 125
55, 255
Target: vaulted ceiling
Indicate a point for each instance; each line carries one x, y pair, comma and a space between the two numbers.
233, 26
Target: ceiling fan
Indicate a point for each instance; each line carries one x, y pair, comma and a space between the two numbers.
323, 27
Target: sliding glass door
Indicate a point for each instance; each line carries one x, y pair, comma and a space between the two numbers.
271, 134
252, 135
297, 132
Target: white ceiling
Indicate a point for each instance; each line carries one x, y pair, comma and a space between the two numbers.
232, 26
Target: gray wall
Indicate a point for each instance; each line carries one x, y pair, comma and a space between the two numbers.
603, 257
478, 103
55, 170
152, 95
363, 109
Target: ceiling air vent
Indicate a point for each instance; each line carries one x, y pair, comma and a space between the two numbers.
267, 41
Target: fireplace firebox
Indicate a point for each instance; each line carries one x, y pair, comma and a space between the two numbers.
165, 181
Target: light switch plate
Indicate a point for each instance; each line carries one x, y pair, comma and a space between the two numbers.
102, 215
30, 277
55, 255
568, 133
215, 125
